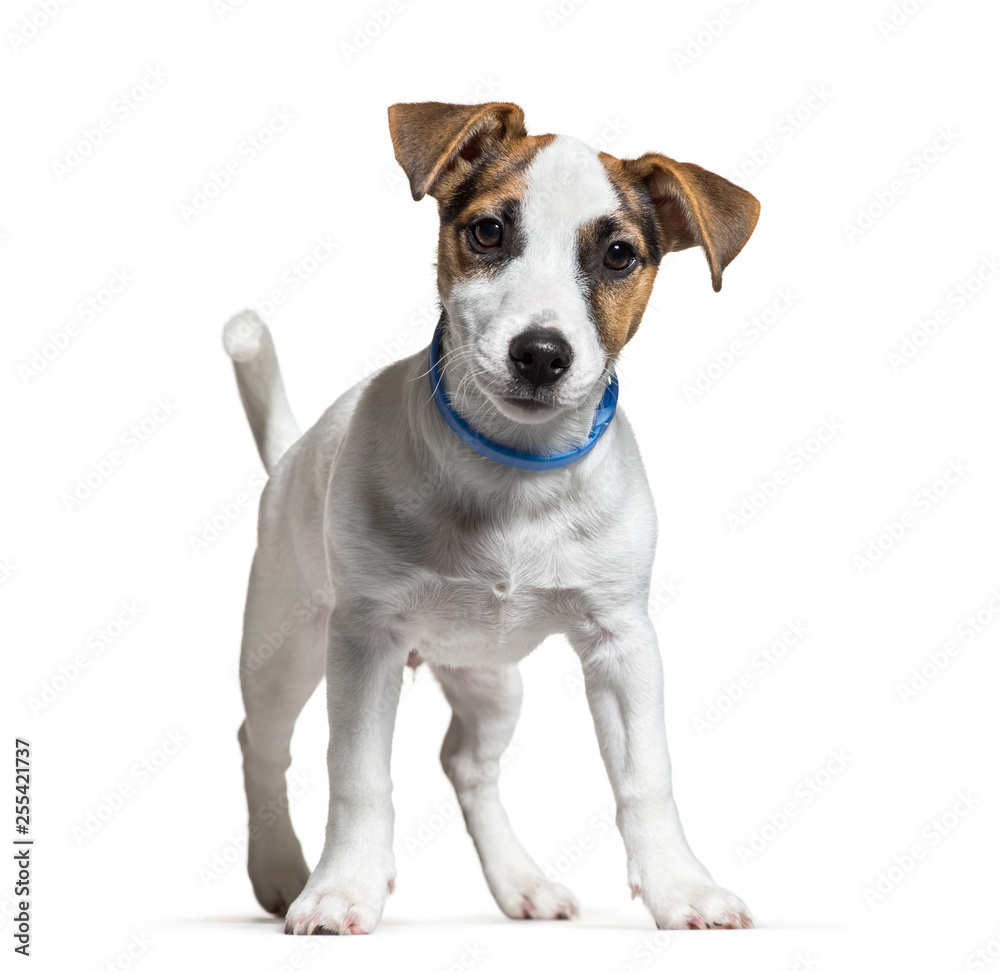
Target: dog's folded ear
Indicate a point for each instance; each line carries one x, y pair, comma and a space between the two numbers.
435, 143
697, 208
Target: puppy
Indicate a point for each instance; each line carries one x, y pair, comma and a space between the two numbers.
467, 502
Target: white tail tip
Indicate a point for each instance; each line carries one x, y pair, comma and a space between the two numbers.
242, 335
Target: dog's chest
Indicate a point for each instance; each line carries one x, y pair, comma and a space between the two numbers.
490, 595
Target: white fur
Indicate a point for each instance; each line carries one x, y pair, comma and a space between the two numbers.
567, 187
381, 534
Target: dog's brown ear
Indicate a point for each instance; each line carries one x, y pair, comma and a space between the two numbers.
697, 208
432, 140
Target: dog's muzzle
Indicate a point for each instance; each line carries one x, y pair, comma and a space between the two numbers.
501, 453
540, 356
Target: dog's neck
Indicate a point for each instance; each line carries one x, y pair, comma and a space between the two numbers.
568, 429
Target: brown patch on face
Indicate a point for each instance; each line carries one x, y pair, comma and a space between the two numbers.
638, 204
693, 207
671, 205
618, 307
618, 298
492, 185
471, 159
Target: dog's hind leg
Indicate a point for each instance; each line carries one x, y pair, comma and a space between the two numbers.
281, 663
485, 705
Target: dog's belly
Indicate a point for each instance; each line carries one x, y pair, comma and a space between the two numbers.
459, 622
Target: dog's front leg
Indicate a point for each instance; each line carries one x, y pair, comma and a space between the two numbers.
624, 682
346, 891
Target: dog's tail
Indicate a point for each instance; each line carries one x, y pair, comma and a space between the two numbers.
248, 342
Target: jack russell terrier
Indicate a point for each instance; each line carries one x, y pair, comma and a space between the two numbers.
467, 502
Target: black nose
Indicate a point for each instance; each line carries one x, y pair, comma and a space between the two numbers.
540, 356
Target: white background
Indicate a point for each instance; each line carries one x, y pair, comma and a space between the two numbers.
832, 121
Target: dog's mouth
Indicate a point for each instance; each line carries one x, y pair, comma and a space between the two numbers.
530, 406
513, 397
519, 402
525, 410
516, 400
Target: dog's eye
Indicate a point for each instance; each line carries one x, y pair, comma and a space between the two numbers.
620, 256
488, 233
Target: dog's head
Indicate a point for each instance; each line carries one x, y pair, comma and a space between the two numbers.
548, 248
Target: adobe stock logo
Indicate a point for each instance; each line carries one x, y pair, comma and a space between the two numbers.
924, 501
802, 796
936, 661
898, 17
725, 358
785, 129
913, 170
70, 671
30, 26
796, 459
119, 111
735, 689
372, 28
933, 324
932, 835
130, 441
87, 311
220, 179
712, 28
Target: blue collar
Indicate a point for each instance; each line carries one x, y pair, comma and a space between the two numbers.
508, 456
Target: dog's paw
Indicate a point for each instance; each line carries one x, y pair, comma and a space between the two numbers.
278, 873
537, 899
277, 869
325, 909
279, 886
702, 906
